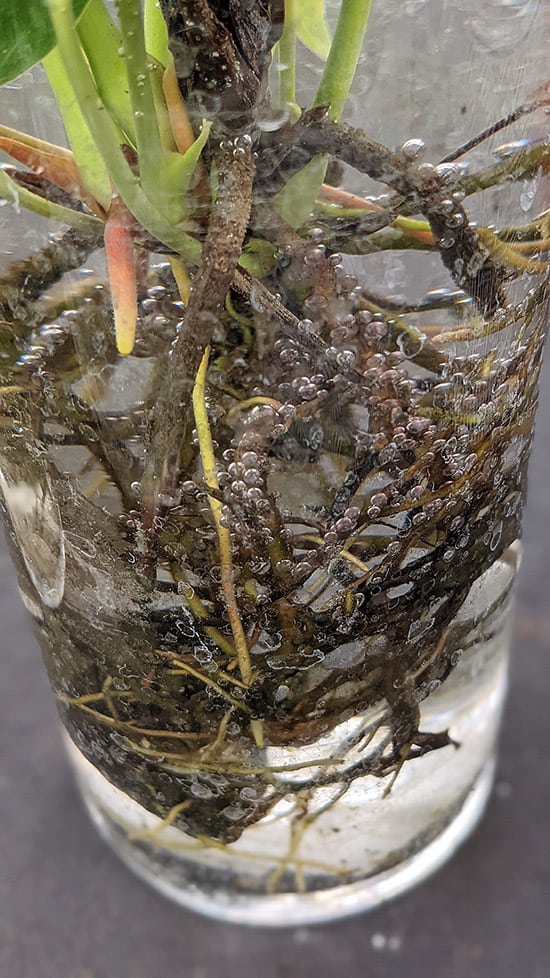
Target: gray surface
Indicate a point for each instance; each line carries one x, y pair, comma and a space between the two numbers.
70, 910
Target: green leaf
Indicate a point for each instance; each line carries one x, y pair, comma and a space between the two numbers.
176, 174
156, 33
295, 202
258, 257
311, 27
190, 158
26, 34
101, 40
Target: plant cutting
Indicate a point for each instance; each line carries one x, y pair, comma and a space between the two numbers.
263, 511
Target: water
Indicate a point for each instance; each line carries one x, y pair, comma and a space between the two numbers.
321, 851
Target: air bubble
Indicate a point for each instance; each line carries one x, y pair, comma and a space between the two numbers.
287, 411
252, 477
446, 241
245, 140
447, 171
308, 391
254, 494
248, 794
446, 206
284, 566
352, 513
496, 537
505, 150
379, 499
249, 459
202, 654
419, 628
315, 256
189, 488
527, 196
412, 148
411, 342
345, 359
456, 220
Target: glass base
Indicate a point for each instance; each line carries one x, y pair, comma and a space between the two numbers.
293, 909
363, 842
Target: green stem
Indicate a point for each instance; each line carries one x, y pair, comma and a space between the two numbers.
343, 56
287, 54
297, 198
148, 142
21, 196
92, 171
108, 138
516, 167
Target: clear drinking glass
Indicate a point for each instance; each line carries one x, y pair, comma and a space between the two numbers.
281, 669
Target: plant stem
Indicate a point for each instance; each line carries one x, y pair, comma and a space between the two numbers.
287, 54
108, 137
148, 142
343, 56
517, 167
179, 120
224, 537
22, 197
170, 414
295, 201
92, 173
39, 145
122, 269
461, 253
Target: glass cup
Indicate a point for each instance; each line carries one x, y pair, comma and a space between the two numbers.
270, 553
